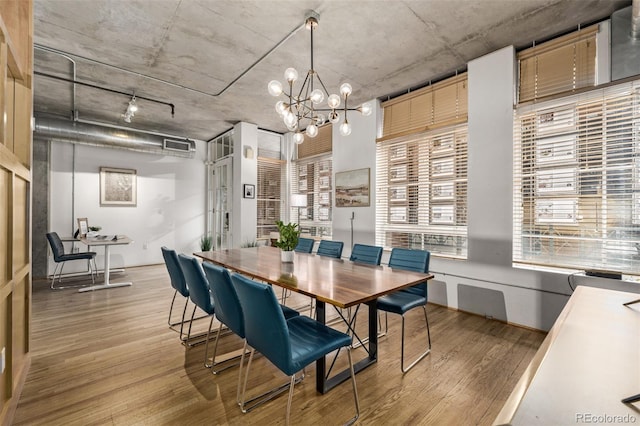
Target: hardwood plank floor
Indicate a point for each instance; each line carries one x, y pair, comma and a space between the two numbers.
108, 357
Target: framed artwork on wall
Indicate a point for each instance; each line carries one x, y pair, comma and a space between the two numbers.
249, 191
118, 187
352, 188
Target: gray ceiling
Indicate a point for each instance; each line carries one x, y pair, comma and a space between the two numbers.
185, 52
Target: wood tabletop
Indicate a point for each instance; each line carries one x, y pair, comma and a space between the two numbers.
335, 281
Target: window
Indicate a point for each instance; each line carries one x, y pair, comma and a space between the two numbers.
313, 177
421, 170
421, 199
577, 181
268, 195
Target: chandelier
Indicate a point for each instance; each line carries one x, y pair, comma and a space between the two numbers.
302, 109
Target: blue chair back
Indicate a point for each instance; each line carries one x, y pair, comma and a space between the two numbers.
225, 297
363, 253
56, 246
411, 260
176, 275
305, 245
265, 327
199, 291
330, 248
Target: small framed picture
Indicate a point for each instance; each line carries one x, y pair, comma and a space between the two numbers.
249, 191
83, 227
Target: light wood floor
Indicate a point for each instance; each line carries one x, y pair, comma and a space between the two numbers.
108, 357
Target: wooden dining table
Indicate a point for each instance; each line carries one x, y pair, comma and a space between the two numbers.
329, 281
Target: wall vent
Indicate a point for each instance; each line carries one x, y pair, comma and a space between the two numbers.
175, 145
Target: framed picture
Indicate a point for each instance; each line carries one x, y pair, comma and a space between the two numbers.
249, 191
118, 187
352, 188
83, 227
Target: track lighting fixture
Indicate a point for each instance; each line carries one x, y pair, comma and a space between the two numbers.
131, 110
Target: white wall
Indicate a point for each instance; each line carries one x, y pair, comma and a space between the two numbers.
170, 207
245, 171
356, 151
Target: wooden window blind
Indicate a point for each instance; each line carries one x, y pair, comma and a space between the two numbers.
321, 144
421, 192
441, 104
577, 181
559, 66
314, 178
271, 174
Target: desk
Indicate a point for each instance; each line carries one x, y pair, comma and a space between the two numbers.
334, 281
107, 243
588, 362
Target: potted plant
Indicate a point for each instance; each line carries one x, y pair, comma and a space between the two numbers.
206, 243
289, 234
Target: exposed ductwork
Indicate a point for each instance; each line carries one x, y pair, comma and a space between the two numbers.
55, 129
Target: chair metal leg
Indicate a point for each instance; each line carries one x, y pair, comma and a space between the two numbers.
238, 400
206, 346
291, 385
175, 293
264, 397
355, 389
424, 354
53, 278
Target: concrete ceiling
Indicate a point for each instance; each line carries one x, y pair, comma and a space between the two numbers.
185, 52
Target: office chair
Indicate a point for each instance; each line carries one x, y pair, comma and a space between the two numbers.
330, 248
60, 257
402, 301
305, 245
228, 309
178, 283
362, 253
200, 295
289, 345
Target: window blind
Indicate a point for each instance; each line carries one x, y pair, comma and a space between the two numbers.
271, 174
314, 178
577, 181
421, 192
562, 65
321, 144
441, 104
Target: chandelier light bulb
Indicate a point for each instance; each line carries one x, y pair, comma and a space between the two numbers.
333, 101
298, 137
345, 129
333, 117
312, 130
289, 119
366, 109
317, 96
281, 108
320, 119
275, 88
291, 75
345, 89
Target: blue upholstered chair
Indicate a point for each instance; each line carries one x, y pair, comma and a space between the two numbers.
289, 345
199, 293
305, 245
362, 253
60, 257
227, 304
402, 301
178, 283
330, 248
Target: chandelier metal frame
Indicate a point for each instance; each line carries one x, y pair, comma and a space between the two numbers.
301, 110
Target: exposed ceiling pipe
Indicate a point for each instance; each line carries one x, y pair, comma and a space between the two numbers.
635, 20
55, 129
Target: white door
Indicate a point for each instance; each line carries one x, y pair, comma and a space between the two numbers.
222, 203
